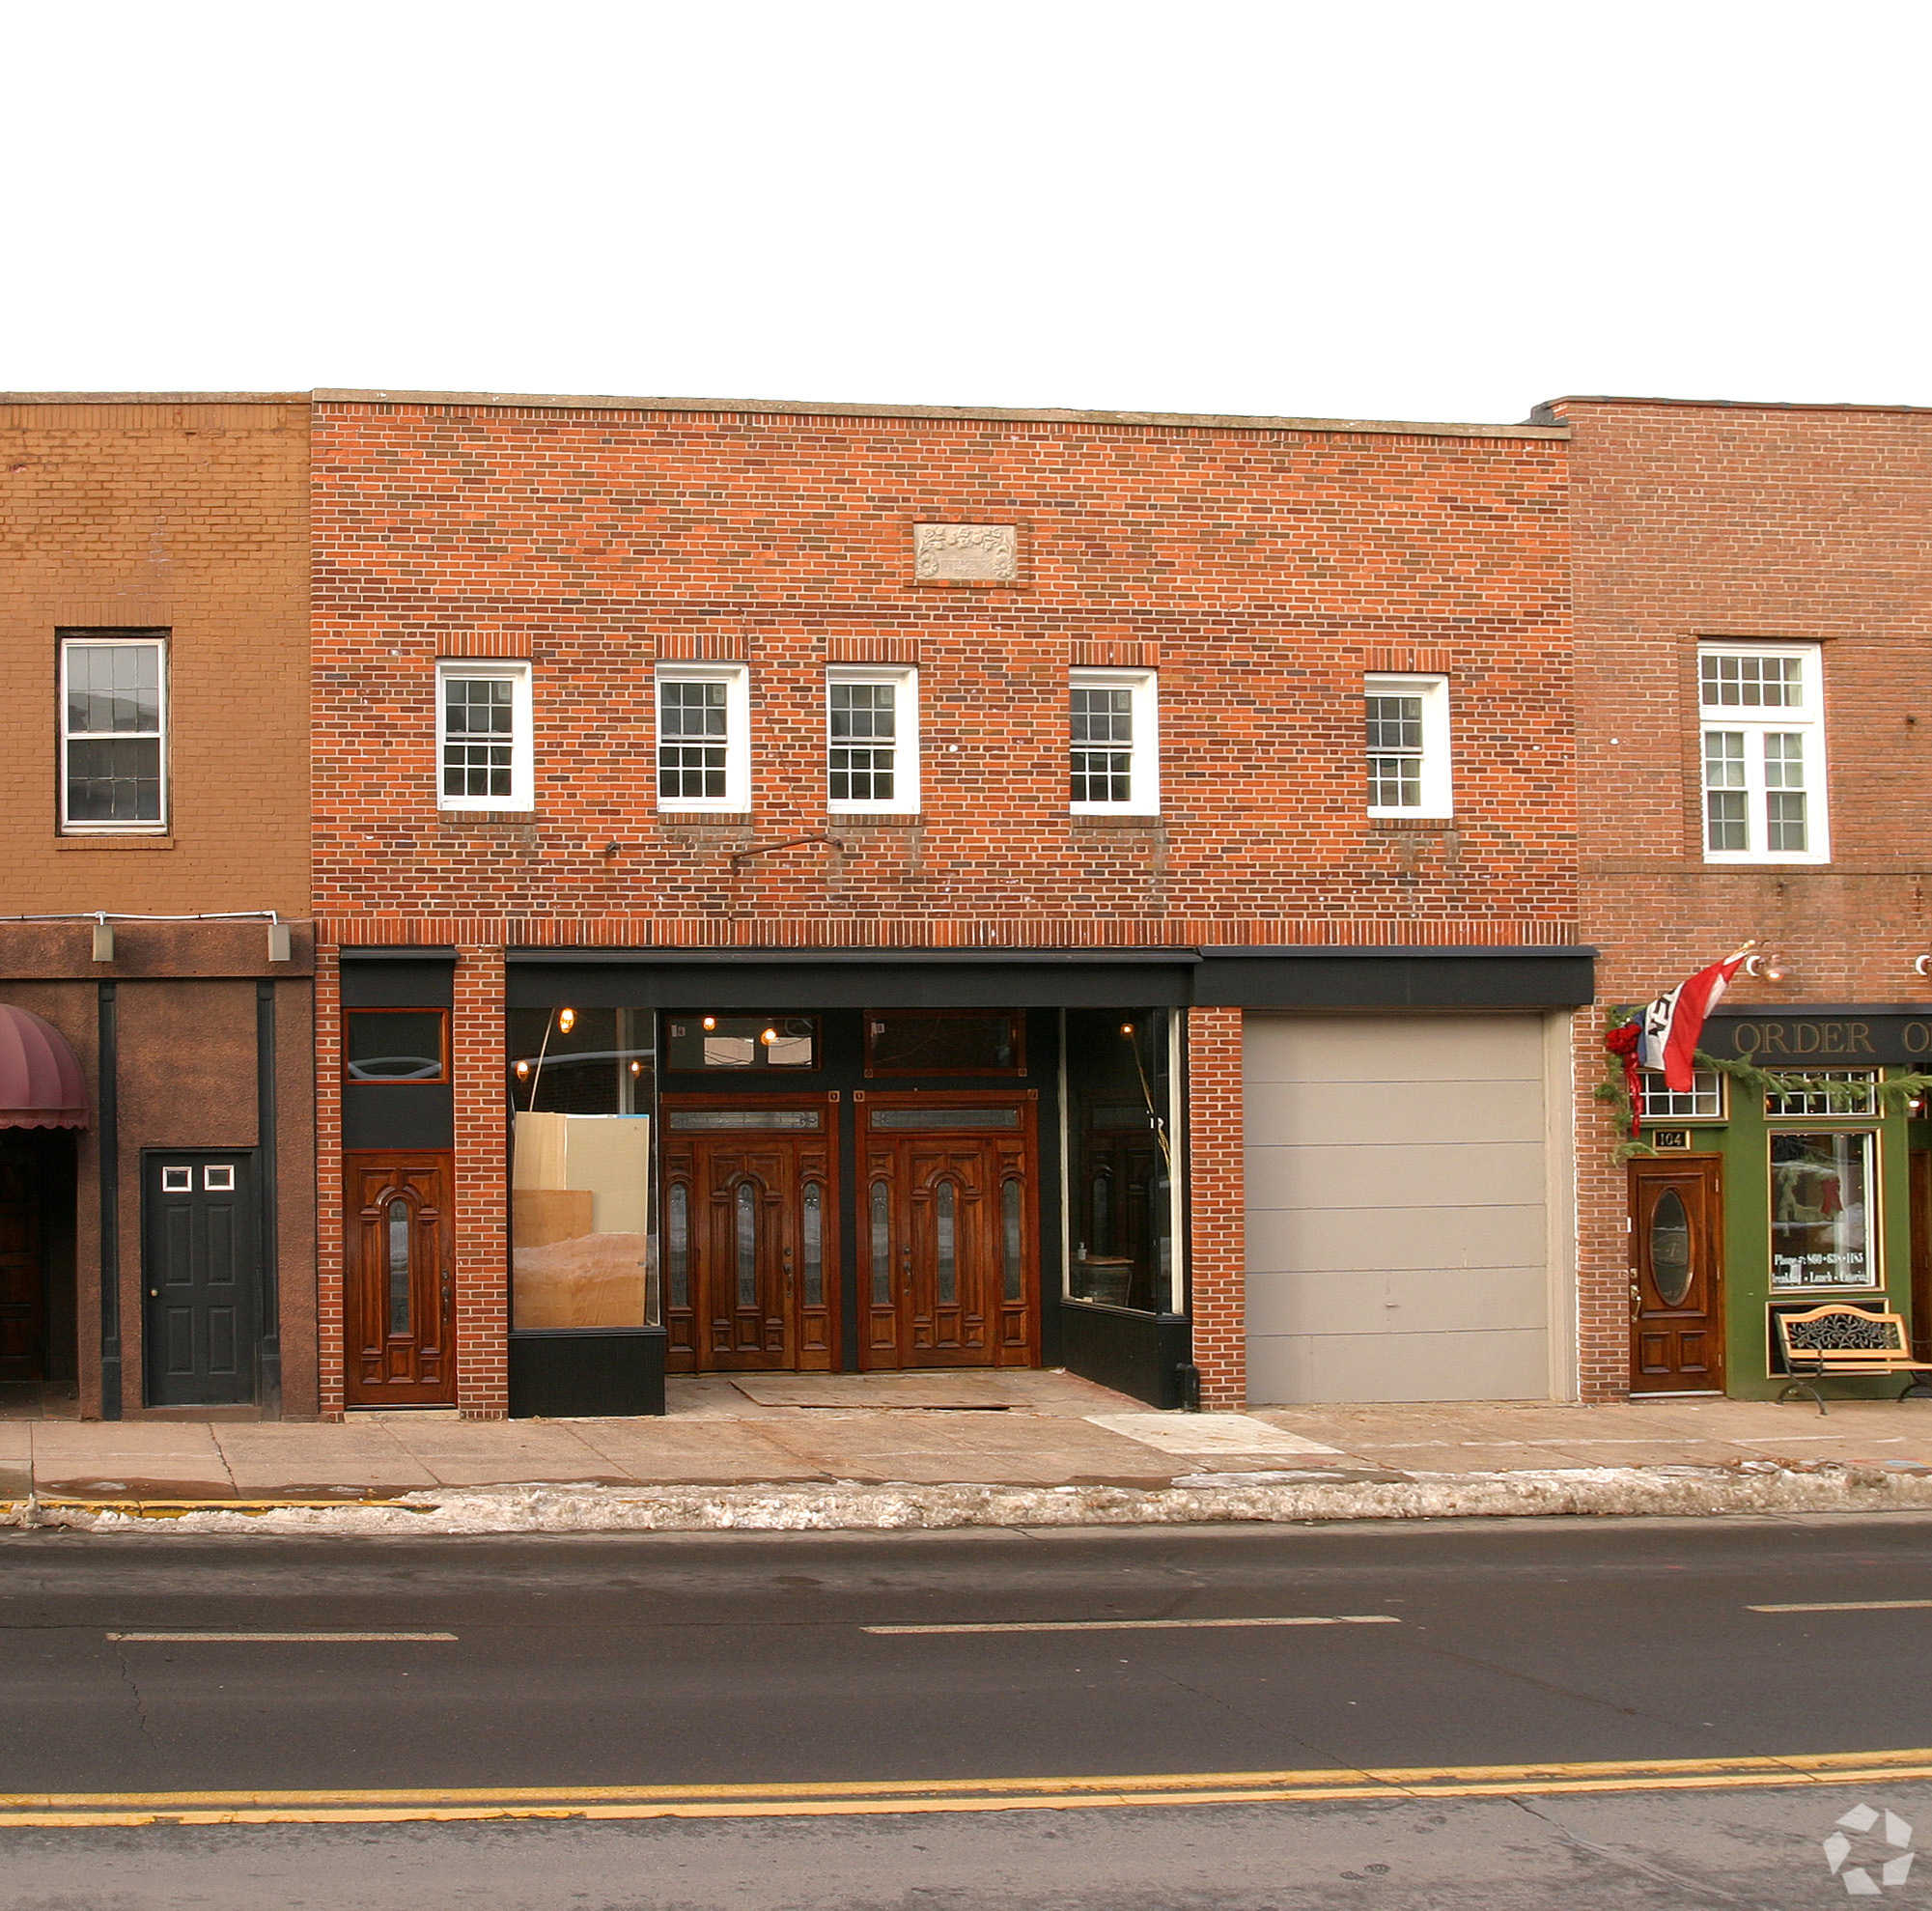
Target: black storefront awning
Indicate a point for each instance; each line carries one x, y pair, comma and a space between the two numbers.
1244, 976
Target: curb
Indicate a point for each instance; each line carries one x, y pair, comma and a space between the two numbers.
562, 1507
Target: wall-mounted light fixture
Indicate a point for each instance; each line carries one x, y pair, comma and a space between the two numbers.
1921, 965
1765, 967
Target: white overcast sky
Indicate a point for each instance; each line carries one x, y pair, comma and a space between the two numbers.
1361, 207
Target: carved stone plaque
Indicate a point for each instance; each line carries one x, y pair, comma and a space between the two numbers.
969, 554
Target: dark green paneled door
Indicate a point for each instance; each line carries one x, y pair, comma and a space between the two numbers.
201, 1274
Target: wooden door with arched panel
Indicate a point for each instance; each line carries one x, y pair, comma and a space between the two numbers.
750, 1233
1676, 1275
948, 1229
398, 1262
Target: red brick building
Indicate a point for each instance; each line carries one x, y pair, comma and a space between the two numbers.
847, 889
1754, 616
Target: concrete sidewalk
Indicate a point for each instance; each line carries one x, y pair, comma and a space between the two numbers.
1019, 1430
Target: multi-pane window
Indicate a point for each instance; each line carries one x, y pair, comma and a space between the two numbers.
1702, 1101
483, 735
703, 736
1408, 745
113, 731
1113, 762
1853, 1091
872, 760
1763, 755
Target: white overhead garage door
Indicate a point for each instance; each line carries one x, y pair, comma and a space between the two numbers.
1397, 1221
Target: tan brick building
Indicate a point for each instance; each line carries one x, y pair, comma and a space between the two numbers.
157, 1103
819, 887
1753, 617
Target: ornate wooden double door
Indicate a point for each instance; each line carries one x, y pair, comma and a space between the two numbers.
940, 1200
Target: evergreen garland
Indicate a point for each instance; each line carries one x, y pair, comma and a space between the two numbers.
1896, 1092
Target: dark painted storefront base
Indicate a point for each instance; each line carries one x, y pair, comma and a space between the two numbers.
584, 1372
1143, 1355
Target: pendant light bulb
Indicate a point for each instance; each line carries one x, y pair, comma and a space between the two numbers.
567, 1018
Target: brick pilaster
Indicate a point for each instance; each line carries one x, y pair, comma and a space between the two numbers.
1217, 1243
482, 1186
330, 1274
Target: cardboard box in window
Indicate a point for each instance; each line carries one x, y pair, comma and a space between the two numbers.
578, 1205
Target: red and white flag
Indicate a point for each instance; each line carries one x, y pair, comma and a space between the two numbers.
1673, 1023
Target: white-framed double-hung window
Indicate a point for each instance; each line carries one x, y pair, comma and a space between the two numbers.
704, 737
1761, 714
484, 755
113, 732
871, 740
1408, 738
1114, 742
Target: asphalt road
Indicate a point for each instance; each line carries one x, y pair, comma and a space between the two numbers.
751, 1663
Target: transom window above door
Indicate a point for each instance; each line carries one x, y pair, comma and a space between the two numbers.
742, 1042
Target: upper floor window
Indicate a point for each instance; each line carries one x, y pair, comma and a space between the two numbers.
1761, 710
704, 728
1409, 746
483, 735
114, 758
871, 740
1115, 760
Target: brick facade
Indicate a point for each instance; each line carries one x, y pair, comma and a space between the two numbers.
1262, 567
188, 516
1775, 523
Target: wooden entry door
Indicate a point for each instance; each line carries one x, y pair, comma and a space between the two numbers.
1676, 1234
948, 1227
22, 1266
750, 1241
399, 1266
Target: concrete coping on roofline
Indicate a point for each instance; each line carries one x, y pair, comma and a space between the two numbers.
511, 400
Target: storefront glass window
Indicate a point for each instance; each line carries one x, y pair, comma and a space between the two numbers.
1821, 1211
583, 1244
1120, 1140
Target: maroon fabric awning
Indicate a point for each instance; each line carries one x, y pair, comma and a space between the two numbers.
41, 1083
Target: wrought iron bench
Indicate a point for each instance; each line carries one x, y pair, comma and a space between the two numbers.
1838, 1341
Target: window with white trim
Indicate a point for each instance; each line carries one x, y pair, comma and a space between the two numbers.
704, 737
1762, 709
1702, 1101
1114, 744
113, 756
1408, 724
872, 741
484, 758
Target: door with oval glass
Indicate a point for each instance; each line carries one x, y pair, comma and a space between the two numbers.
750, 1233
399, 1259
948, 1227
1676, 1286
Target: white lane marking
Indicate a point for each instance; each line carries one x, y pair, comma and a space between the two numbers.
1847, 1606
280, 1638
1145, 1625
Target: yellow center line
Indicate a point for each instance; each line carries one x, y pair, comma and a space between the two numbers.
817, 1799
